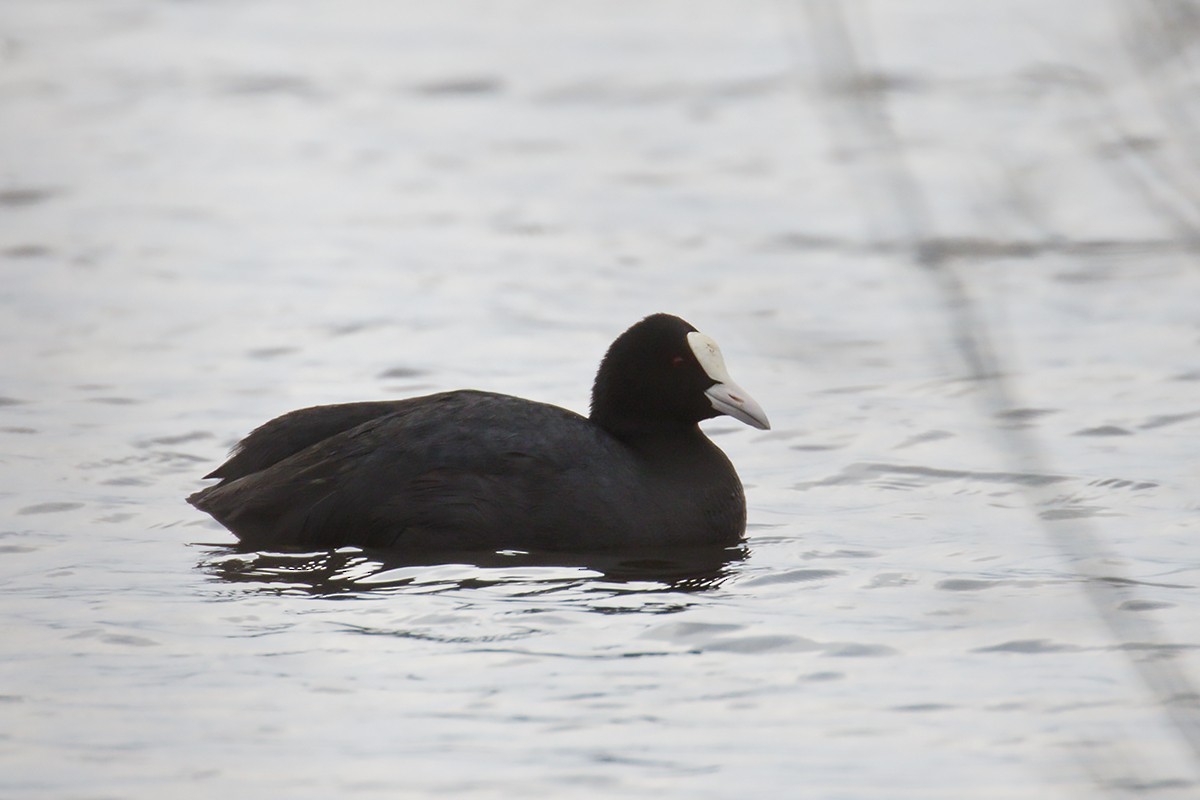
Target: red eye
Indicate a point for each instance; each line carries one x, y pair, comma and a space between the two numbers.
677, 361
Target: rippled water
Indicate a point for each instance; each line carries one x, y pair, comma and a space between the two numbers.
213, 212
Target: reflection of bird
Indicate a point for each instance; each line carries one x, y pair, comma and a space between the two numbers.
470, 470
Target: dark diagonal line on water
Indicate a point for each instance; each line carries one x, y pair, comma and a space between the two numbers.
859, 120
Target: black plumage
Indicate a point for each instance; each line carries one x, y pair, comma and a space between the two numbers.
470, 470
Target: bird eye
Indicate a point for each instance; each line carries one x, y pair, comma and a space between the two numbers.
677, 361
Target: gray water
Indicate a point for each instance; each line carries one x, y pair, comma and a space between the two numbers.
214, 212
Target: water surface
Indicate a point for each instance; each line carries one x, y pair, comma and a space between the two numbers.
212, 213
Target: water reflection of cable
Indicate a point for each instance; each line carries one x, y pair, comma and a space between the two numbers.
858, 117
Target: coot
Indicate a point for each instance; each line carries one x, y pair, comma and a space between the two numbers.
471, 470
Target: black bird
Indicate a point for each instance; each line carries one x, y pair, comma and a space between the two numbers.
477, 471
